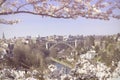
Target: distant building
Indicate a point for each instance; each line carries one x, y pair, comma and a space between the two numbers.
97, 42
59, 38
118, 39
51, 38
2, 53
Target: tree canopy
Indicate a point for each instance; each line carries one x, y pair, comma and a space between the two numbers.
93, 9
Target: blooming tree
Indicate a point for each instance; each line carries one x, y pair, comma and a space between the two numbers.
93, 9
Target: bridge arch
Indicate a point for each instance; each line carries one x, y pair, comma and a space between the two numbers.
53, 46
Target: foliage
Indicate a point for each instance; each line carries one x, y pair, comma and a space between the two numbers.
53, 53
27, 56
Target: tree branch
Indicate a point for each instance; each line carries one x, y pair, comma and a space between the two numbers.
3, 1
29, 12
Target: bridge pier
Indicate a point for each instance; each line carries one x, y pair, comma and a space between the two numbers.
76, 43
47, 45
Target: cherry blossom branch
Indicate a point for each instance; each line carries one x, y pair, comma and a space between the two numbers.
101, 9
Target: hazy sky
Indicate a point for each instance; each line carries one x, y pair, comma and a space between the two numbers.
36, 25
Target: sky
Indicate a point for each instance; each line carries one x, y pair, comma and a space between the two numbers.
34, 25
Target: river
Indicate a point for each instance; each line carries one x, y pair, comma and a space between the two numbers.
60, 67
